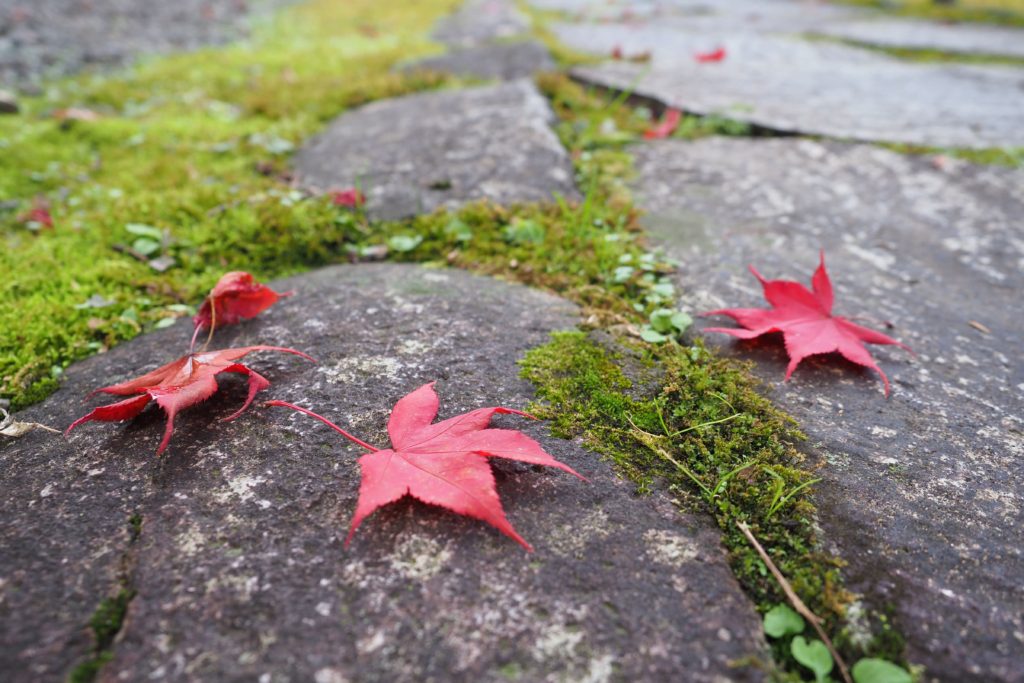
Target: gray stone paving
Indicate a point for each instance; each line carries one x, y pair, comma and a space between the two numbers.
479, 22
42, 39
417, 153
239, 566
774, 78
920, 494
493, 61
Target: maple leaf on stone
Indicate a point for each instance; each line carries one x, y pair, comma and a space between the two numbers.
444, 464
180, 384
236, 297
806, 322
669, 123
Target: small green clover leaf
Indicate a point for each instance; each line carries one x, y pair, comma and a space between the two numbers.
458, 230
813, 655
664, 325
652, 336
782, 621
404, 243
524, 231
879, 671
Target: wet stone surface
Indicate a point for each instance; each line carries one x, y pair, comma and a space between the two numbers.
239, 565
50, 38
417, 153
497, 61
773, 78
920, 494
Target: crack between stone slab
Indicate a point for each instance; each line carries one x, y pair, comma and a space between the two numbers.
658, 108
107, 621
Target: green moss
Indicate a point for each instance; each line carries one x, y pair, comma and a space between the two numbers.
679, 418
106, 623
923, 55
1004, 12
1012, 157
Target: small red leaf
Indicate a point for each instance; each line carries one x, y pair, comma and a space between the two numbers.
669, 123
805, 319
350, 198
39, 213
444, 463
716, 55
236, 297
179, 385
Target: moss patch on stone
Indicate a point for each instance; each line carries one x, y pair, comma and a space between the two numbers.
678, 418
1003, 12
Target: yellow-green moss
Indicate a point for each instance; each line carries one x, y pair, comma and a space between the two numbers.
1005, 12
680, 418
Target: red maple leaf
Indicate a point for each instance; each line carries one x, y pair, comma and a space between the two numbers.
806, 322
617, 52
669, 123
350, 198
180, 384
236, 297
708, 57
443, 464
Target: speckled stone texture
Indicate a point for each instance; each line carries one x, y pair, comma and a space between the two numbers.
773, 78
479, 22
497, 61
417, 153
240, 569
50, 38
487, 40
921, 493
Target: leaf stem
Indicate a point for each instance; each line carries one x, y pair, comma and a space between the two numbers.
795, 600
285, 404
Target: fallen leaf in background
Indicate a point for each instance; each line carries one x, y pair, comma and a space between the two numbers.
806, 322
669, 123
14, 429
39, 214
351, 198
708, 57
75, 114
443, 464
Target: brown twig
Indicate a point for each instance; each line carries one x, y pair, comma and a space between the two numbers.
795, 600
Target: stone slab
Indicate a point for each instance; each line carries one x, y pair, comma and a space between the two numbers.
479, 22
493, 61
920, 494
975, 39
774, 78
240, 569
49, 38
791, 85
417, 153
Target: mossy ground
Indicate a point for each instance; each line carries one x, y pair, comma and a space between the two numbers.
195, 146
